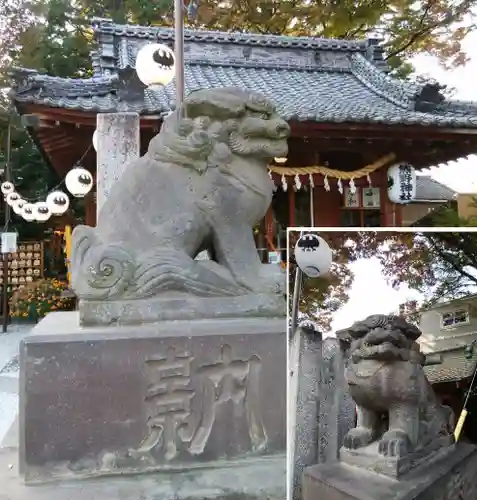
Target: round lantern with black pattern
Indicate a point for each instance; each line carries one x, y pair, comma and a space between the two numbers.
155, 65
313, 255
58, 202
7, 187
42, 211
79, 182
402, 183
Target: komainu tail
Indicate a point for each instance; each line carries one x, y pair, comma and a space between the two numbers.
99, 271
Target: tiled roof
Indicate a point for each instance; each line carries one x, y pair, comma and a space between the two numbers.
454, 367
429, 189
309, 79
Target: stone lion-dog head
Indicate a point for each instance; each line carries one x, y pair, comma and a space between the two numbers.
384, 338
226, 128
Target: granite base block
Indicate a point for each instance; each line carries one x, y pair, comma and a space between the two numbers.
437, 480
172, 397
370, 458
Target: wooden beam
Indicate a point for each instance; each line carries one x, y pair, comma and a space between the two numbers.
311, 129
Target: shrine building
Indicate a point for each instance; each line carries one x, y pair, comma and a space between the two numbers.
350, 121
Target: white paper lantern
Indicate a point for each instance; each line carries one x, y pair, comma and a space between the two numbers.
155, 64
18, 206
28, 212
281, 159
79, 182
41, 211
313, 255
7, 188
58, 202
402, 183
95, 140
12, 198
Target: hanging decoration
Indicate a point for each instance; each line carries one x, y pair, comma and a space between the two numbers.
312, 182
28, 212
313, 255
326, 184
402, 182
58, 202
297, 182
280, 159
79, 182
7, 188
368, 178
41, 211
12, 198
18, 207
155, 65
352, 187
340, 186
333, 173
284, 183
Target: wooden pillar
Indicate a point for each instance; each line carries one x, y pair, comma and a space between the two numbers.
90, 209
387, 209
291, 206
399, 215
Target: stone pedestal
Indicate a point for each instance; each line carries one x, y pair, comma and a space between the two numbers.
118, 144
304, 387
177, 396
451, 477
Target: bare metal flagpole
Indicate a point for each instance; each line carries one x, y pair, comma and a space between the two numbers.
179, 50
296, 297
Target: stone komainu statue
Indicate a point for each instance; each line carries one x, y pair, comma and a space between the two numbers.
386, 379
202, 185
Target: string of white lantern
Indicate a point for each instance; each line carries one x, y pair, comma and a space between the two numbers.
78, 182
155, 68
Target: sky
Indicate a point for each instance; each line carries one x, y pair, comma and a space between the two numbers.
370, 294
460, 176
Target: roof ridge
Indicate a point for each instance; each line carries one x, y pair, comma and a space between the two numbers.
399, 92
108, 27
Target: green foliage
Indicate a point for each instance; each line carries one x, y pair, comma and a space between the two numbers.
438, 265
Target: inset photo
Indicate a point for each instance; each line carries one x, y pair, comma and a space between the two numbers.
382, 389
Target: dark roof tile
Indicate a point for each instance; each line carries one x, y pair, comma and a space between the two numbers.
308, 78
429, 189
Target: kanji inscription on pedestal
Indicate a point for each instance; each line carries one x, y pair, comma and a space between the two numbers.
169, 396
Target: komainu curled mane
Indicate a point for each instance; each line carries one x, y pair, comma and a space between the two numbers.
386, 377
202, 185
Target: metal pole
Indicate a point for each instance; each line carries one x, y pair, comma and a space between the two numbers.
5, 229
179, 50
296, 298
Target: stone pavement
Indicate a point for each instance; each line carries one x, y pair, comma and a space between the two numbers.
9, 345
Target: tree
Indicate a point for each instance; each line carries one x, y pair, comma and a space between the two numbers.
438, 265
434, 27
60, 35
